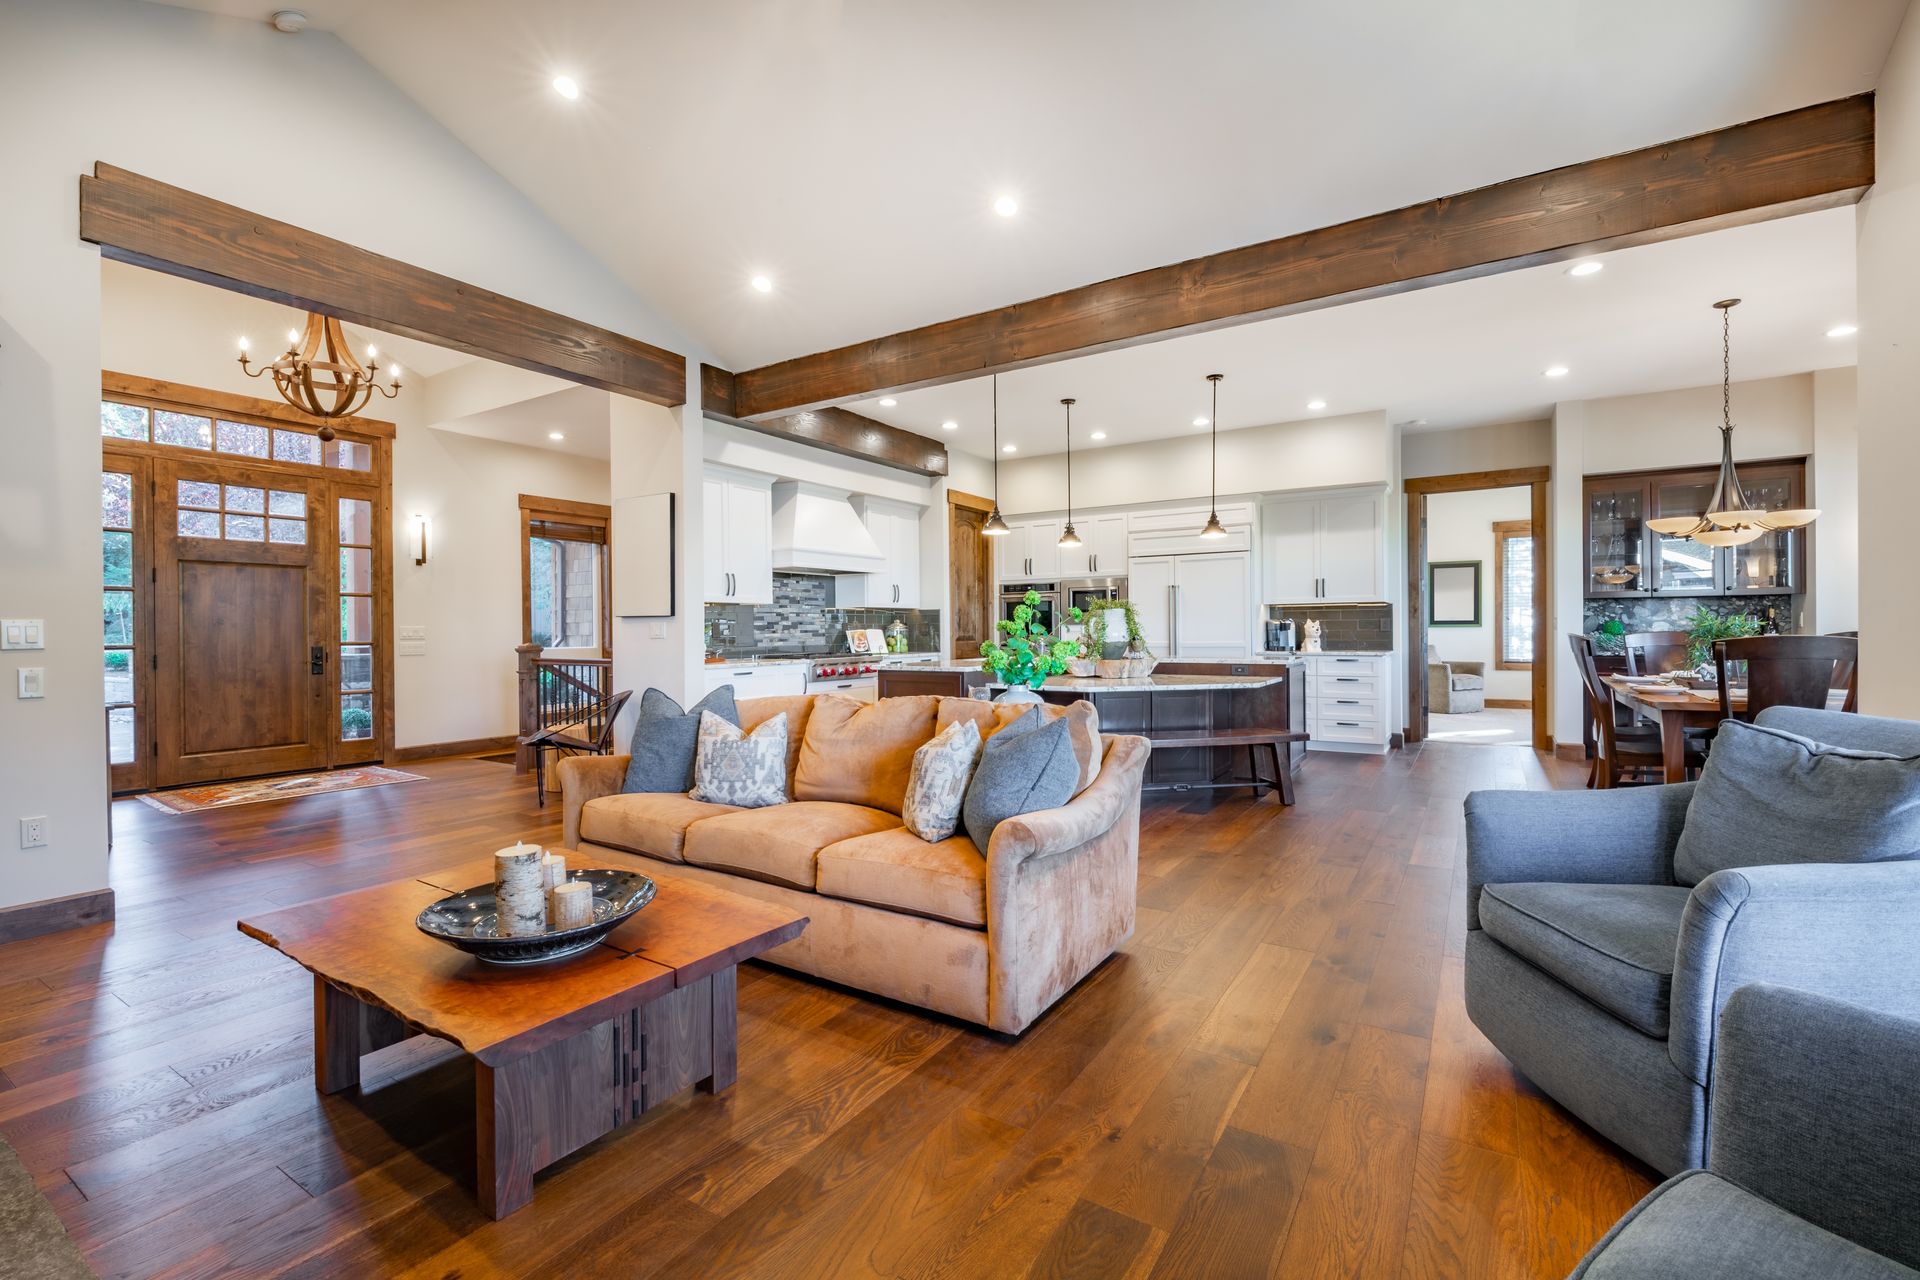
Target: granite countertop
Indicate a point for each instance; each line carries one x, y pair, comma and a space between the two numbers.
779, 661
1347, 653
1094, 684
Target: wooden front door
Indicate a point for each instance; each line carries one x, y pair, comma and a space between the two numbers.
242, 664
970, 567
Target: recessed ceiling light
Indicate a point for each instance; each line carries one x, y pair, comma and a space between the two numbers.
888, 402
1006, 206
1008, 448
556, 435
1592, 266
1843, 331
1199, 422
567, 87
1316, 405
761, 284
949, 425
1098, 435
1556, 371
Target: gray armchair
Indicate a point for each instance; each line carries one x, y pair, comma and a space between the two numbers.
1812, 1167
1455, 687
1602, 978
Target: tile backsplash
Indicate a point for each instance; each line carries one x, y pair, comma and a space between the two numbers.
804, 619
1342, 626
1670, 613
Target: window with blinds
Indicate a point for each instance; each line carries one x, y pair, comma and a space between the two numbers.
1513, 593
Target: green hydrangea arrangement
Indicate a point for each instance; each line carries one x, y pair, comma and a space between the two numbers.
1023, 652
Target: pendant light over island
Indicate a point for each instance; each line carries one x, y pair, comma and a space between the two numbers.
1068, 538
1214, 529
996, 525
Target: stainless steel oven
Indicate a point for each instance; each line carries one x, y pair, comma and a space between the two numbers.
1048, 610
1081, 592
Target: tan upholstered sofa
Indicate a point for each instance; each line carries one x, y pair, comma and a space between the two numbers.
993, 939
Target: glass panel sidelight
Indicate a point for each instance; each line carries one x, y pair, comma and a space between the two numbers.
116, 559
186, 430
356, 569
356, 522
296, 446
356, 666
356, 619
123, 421
356, 716
120, 735
116, 613
116, 500
118, 665
243, 438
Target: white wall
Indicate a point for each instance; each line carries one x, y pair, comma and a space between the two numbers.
1834, 478
423, 199
1772, 418
1888, 261
1494, 447
1351, 449
1460, 527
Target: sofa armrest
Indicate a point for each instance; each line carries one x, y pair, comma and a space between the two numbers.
1845, 930
1061, 885
1815, 1107
584, 778
1572, 837
1471, 667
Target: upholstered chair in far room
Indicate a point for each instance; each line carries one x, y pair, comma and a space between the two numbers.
1811, 1168
1606, 929
1455, 687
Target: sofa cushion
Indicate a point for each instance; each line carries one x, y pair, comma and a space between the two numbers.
797, 707
779, 845
942, 767
862, 752
651, 822
1026, 767
1613, 943
945, 880
1082, 717
664, 739
744, 769
1469, 682
1769, 797
1699, 1226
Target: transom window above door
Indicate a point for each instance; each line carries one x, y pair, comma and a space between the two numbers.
241, 513
120, 420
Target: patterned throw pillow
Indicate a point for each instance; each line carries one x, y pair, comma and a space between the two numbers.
938, 784
748, 770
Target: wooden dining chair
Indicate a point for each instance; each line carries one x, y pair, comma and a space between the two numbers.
1788, 671
1654, 653
1845, 679
1619, 749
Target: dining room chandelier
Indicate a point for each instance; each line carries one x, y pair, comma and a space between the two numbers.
319, 375
1731, 519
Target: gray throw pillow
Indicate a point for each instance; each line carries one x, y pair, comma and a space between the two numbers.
1769, 797
1026, 767
666, 738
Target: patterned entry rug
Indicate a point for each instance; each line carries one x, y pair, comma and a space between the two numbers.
221, 795
33, 1244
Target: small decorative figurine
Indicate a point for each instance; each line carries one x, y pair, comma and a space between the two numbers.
1313, 637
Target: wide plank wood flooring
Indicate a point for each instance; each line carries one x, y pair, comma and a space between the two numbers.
1276, 1076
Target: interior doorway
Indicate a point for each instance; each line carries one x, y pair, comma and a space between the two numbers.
246, 587
1479, 606
970, 570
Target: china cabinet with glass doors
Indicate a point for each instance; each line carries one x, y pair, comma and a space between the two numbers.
1625, 558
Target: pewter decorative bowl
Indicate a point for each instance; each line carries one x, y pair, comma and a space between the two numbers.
467, 920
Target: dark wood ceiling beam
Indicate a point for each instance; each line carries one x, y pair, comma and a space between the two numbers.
1812, 158
148, 223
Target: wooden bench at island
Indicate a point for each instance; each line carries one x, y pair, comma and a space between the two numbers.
1252, 738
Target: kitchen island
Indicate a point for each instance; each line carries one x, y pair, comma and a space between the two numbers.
1194, 699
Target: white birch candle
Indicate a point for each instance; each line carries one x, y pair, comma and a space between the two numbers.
555, 865
519, 891
572, 905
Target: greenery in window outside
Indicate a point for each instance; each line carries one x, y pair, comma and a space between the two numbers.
356, 722
116, 613
543, 556
116, 559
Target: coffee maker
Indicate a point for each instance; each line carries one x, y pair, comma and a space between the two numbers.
1280, 635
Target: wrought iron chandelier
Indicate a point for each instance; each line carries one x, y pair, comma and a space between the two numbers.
1731, 519
319, 375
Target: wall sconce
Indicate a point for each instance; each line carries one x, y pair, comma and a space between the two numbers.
421, 524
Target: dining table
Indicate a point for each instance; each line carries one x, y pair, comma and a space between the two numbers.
1676, 708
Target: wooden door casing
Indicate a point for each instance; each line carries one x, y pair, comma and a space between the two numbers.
970, 570
235, 626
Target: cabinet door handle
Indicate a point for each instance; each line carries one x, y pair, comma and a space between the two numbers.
1347, 702
1173, 620
743, 673
1346, 679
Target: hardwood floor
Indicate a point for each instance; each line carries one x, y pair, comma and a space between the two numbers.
1276, 1077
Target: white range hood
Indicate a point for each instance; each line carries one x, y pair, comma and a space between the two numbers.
816, 530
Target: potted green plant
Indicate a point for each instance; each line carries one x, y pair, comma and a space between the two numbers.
1704, 626
1127, 657
1023, 653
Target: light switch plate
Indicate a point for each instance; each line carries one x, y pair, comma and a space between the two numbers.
23, 633
33, 682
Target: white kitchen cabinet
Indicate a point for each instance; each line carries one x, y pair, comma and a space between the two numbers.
1102, 551
1330, 548
1030, 552
1195, 606
895, 529
775, 680
1348, 701
736, 522
1010, 554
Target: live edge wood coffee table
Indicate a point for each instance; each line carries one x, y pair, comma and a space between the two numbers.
562, 1052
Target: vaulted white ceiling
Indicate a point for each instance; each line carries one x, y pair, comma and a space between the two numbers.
851, 150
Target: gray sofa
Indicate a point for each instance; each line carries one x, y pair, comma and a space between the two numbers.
1813, 1169
1602, 978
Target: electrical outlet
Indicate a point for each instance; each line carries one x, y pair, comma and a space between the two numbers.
33, 832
